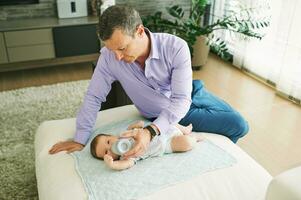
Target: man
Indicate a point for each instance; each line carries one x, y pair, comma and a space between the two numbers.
155, 71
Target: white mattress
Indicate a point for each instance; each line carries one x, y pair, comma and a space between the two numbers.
57, 177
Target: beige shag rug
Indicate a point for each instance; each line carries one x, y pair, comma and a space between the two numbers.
21, 112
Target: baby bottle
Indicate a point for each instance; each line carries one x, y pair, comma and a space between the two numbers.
122, 145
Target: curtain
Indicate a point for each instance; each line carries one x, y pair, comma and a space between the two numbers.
277, 57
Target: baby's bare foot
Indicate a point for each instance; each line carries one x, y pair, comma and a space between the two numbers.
187, 129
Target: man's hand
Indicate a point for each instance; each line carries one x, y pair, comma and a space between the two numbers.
68, 146
142, 139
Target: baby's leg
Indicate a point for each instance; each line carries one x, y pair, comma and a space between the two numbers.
138, 124
184, 143
185, 129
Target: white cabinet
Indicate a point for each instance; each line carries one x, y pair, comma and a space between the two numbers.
42, 42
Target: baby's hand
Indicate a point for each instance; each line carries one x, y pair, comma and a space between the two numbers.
108, 160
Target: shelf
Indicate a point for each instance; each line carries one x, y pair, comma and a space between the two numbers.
48, 62
38, 23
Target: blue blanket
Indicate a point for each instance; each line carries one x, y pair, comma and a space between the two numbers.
146, 176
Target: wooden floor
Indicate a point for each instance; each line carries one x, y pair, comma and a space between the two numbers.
43, 76
275, 123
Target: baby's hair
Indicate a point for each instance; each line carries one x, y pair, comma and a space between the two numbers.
94, 143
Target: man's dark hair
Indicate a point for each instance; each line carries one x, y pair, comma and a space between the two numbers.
93, 145
118, 17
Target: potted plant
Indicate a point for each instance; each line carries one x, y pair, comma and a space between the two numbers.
200, 36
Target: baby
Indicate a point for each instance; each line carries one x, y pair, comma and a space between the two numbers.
178, 139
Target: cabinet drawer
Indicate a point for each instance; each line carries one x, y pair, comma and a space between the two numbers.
30, 37
26, 53
3, 56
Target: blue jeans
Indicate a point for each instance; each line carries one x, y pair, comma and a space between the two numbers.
208, 113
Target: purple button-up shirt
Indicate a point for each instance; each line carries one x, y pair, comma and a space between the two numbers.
162, 90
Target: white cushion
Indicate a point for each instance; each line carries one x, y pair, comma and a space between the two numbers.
57, 177
286, 186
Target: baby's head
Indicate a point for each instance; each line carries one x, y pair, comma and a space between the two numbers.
101, 145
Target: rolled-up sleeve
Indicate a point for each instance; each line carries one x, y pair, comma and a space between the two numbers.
181, 87
99, 87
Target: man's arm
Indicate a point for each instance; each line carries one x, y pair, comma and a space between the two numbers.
98, 89
181, 88
118, 164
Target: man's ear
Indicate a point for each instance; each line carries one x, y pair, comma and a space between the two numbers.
140, 30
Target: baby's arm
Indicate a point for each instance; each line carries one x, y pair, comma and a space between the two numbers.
118, 164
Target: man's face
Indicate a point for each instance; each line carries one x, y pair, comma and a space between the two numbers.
125, 47
104, 145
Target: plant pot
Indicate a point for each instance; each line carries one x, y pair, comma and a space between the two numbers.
200, 53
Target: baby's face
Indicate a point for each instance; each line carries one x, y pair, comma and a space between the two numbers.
104, 145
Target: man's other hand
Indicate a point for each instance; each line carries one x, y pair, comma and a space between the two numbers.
68, 146
142, 139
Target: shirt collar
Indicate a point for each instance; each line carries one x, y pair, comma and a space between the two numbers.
154, 53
